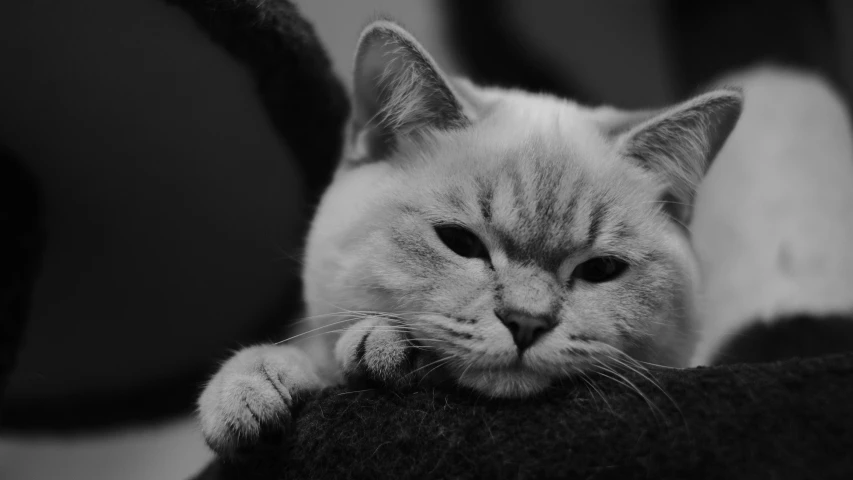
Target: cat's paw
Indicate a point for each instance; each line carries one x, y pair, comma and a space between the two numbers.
376, 352
248, 403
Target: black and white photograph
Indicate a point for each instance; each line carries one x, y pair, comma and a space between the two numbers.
426, 239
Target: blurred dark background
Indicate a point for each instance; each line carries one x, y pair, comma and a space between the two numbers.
173, 202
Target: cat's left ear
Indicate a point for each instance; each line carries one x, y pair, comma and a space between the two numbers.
679, 143
399, 91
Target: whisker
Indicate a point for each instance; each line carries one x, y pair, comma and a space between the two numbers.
447, 360
657, 365
588, 381
314, 330
315, 333
440, 361
356, 391
470, 364
300, 320
621, 379
642, 372
648, 376
355, 313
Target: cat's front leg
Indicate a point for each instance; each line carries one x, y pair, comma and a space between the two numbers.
250, 400
378, 352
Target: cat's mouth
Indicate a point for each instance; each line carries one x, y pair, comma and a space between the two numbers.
504, 372
524, 376
521, 378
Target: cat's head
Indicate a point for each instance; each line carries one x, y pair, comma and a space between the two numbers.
521, 236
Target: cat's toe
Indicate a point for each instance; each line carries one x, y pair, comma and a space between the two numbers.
244, 408
372, 352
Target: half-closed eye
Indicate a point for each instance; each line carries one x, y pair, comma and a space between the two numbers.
600, 269
462, 242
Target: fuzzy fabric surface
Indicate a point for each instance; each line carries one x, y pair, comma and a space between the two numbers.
780, 420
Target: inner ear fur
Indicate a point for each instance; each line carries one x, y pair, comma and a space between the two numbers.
398, 91
679, 144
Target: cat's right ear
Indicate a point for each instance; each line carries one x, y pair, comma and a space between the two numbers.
679, 143
398, 92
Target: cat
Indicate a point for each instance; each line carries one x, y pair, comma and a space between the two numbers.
492, 238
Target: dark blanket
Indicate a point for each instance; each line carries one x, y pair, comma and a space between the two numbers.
781, 420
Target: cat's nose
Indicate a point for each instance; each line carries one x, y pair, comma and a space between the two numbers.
525, 328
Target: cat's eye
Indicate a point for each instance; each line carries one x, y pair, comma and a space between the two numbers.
461, 241
600, 269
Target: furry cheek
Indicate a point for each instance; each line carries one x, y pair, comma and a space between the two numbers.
404, 261
618, 312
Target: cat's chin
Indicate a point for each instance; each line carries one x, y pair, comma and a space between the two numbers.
511, 383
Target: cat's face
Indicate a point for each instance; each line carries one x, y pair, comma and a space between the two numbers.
518, 236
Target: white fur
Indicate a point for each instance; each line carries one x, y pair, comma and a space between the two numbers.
773, 224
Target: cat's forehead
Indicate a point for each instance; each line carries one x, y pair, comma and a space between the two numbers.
541, 177
522, 131
531, 143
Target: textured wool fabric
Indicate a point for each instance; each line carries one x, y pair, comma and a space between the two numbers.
791, 419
